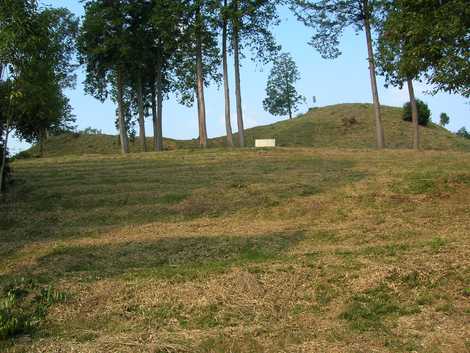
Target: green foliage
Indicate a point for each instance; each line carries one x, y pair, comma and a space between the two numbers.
424, 113
202, 19
444, 119
431, 43
90, 131
282, 97
253, 22
463, 133
329, 18
23, 305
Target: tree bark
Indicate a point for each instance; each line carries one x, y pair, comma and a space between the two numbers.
236, 56
159, 121
42, 139
414, 114
4, 155
140, 100
201, 105
373, 78
154, 113
228, 124
289, 100
122, 123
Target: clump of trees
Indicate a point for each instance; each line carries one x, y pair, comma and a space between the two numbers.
282, 97
463, 132
36, 65
138, 52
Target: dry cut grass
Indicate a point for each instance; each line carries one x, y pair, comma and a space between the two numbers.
286, 250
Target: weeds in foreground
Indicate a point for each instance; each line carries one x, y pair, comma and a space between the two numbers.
23, 305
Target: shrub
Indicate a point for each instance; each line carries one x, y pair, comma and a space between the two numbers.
463, 133
23, 305
90, 131
424, 113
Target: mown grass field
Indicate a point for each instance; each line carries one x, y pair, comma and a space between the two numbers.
285, 250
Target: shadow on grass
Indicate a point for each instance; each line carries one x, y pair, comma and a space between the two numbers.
78, 198
174, 258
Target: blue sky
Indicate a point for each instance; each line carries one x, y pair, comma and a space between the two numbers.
344, 80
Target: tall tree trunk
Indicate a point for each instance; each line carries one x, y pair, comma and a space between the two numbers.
373, 78
289, 100
140, 100
414, 114
236, 56
201, 105
42, 140
154, 113
159, 116
122, 123
4, 154
228, 124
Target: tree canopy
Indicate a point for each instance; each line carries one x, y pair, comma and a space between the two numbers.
282, 97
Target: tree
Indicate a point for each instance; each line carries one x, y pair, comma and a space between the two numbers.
14, 45
329, 18
36, 56
166, 35
228, 125
406, 49
444, 119
282, 97
250, 28
104, 46
139, 14
423, 114
197, 59
437, 37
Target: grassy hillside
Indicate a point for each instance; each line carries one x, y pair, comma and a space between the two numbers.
287, 250
321, 127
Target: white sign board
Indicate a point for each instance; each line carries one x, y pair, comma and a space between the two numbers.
265, 143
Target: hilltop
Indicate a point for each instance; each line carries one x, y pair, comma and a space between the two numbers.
349, 126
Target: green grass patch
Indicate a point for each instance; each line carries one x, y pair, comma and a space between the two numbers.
370, 310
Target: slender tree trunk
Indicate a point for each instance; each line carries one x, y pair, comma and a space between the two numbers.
140, 100
289, 101
236, 56
5, 148
373, 78
42, 140
228, 124
159, 116
201, 105
414, 114
154, 113
4, 155
122, 123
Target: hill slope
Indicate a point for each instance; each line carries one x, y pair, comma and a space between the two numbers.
321, 127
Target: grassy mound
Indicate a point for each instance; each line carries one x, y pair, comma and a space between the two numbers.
341, 126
